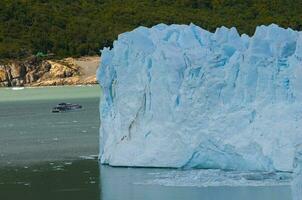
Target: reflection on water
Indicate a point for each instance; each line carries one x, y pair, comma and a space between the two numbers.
85, 180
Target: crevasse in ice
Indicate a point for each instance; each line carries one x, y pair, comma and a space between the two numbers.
181, 96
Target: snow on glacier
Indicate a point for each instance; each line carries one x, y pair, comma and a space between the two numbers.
180, 96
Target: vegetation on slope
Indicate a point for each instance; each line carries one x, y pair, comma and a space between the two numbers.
81, 27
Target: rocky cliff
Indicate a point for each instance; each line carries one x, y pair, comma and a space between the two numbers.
39, 72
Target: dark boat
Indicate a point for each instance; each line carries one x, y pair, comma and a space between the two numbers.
64, 107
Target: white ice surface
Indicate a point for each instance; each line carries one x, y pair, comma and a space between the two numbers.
180, 96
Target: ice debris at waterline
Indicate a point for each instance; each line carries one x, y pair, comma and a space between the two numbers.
180, 96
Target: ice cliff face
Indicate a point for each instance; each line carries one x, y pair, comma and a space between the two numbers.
180, 96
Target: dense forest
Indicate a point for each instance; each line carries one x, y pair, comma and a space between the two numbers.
81, 27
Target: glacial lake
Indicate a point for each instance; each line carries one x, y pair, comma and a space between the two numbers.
52, 156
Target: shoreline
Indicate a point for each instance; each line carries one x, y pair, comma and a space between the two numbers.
9, 94
50, 86
18, 89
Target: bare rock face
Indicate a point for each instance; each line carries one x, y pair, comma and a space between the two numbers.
37, 72
63, 70
31, 77
17, 70
3, 76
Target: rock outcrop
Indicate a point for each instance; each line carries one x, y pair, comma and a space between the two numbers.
38, 72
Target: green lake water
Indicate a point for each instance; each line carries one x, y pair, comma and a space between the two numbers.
52, 156
30, 132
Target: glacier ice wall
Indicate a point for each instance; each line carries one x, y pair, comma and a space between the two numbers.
180, 96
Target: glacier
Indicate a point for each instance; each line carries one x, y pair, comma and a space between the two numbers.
180, 96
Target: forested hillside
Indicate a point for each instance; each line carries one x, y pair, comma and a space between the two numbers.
82, 27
